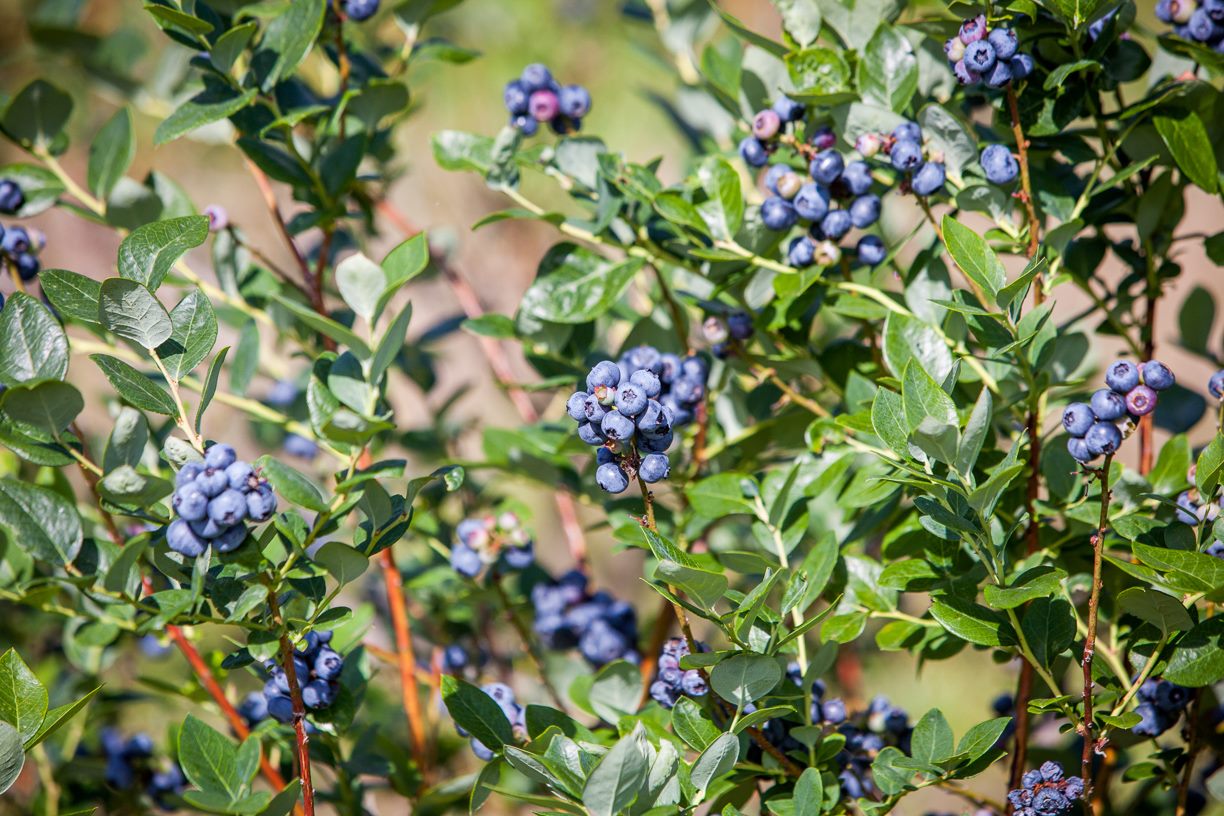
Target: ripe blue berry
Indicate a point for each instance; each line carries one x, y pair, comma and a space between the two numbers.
647, 381
515, 97
229, 508
1103, 438
964, 74
788, 109
801, 252
189, 503
1216, 385
617, 426
857, 178
611, 478
591, 433
765, 125
536, 77
999, 164
240, 475
1004, 41
630, 401
219, 456
1140, 400
871, 250
773, 175
835, 224
188, 473
980, 56
740, 325
575, 405
360, 9
906, 154
465, 561
261, 503
1077, 418
601, 644
827, 167
753, 152
328, 664
212, 482
27, 266
865, 210
1108, 404
654, 468
524, 123
606, 373
1122, 376
1021, 66
908, 131
812, 202
575, 101
653, 421
929, 179
230, 539
999, 75
694, 684
183, 540
1157, 375
15, 241
778, 214
280, 708
11, 196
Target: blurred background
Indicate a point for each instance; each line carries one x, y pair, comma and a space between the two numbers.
619, 58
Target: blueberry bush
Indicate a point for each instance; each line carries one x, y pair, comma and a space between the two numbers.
848, 372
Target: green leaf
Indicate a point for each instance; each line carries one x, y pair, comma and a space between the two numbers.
1058, 77
693, 725
888, 70
36, 116
1198, 657
703, 586
289, 37
361, 282
856, 20
48, 405
800, 19
326, 326
614, 782
888, 420
723, 209
149, 253
209, 389
948, 135
230, 45
23, 700
246, 357
135, 387
73, 295
976, 431
193, 334
982, 737
820, 76
809, 793
111, 153
128, 309
574, 285
40, 522
344, 563
456, 150
1202, 571
972, 622
127, 486
720, 495
476, 712
1162, 611
12, 758
1074, 12
744, 678
58, 716
40, 187
715, 761
615, 691
924, 399
1206, 470
974, 256
217, 101
1049, 628
391, 344
32, 344
1186, 137
1037, 582
908, 338
209, 760
932, 740
290, 484
127, 439
775, 48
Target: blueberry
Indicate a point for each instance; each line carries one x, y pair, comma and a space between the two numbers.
630, 401
865, 210
740, 325
765, 125
1164, 11
1021, 66
524, 123
360, 9
778, 214
1108, 404
280, 708
871, 250
999, 75
519, 558
478, 748
228, 508
1078, 448
605, 373
16, 241
908, 131
966, 75
654, 468
240, 475
654, 420
773, 175
328, 664
253, 708
1004, 41
664, 693
980, 56
575, 405
827, 167
906, 154
646, 381
696, 371
183, 540
833, 711
575, 101
954, 48
1077, 418
591, 433
261, 503
543, 105
929, 179
231, 538
619, 427
999, 164
465, 561
1050, 802
207, 528
1171, 698
1214, 9
753, 152
835, 224
1140, 400
515, 97
694, 684
1215, 549
1216, 384
11, 196
27, 266
219, 456
789, 185
536, 77
811, 202
973, 29
611, 478
801, 252
189, 503
788, 109
1188, 512
1103, 439
283, 394
1157, 375
601, 644
857, 178
1122, 376
868, 144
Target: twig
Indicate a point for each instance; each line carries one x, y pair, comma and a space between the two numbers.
1098, 545
1026, 187
269, 197
1192, 749
404, 658
528, 645
299, 708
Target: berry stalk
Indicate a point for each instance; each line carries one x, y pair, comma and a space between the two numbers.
1026, 188
1094, 599
299, 708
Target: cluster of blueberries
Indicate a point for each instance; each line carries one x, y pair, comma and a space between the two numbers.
18, 246
317, 667
630, 410
484, 540
282, 396
1198, 20
673, 681
503, 695
1046, 791
536, 97
1161, 704
359, 10
213, 499
999, 164
1098, 426
724, 332
128, 761
979, 53
905, 152
567, 614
